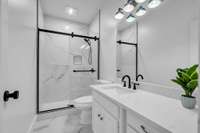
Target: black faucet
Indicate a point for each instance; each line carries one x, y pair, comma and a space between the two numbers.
139, 76
129, 81
136, 84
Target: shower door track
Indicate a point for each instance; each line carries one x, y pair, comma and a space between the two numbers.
38, 57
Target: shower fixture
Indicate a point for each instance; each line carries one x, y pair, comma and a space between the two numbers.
90, 50
136, 8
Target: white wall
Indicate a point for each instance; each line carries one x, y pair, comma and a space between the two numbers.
18, 64
3, 39
168, 40
57, 24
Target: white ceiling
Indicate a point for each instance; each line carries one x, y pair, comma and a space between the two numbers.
87, 9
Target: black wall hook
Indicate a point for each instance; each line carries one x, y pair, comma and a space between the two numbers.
8, 95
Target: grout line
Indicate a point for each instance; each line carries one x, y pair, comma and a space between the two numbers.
32, 124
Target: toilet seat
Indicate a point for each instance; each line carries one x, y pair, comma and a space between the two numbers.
85, 101
85, 105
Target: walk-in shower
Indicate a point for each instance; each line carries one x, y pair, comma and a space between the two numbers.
65, 68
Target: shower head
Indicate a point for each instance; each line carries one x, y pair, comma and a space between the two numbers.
88, 41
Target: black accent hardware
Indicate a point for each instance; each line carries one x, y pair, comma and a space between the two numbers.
144, 129
140, 75
118, 70
101, 118
134, 85
91, 70
129, 81
68, 34
127, 43
137, 84
98, 115
8, 95
39, 30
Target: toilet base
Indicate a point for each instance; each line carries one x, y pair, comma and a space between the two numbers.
86, 116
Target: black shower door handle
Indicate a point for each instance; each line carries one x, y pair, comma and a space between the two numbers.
7, 95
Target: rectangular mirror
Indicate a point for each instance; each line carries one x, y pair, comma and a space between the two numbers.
127, 49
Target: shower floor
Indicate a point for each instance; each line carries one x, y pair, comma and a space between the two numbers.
69, 123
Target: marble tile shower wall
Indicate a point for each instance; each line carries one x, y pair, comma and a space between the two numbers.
57, 52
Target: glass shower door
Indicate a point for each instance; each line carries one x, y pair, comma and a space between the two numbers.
67, 67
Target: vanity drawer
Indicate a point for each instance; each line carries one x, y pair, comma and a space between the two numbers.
107, 104
143, 126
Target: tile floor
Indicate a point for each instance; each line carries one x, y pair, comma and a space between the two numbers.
69, 123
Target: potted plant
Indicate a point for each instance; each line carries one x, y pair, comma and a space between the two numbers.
187, 78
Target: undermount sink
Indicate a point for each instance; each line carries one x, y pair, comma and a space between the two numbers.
118, 89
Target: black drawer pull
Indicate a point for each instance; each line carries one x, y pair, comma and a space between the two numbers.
101, 118
144, 129
8, 95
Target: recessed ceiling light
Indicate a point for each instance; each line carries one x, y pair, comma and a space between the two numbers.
140, 12
129, 6
119, 14
71, 11
66, 27
154, 3
130, 18
140, 1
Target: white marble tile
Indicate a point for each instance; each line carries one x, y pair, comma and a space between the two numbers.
70, 123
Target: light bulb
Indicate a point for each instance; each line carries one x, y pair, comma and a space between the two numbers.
141, 11
129, 6
154, 3
140, 1
119, 14
71, 11
130, 18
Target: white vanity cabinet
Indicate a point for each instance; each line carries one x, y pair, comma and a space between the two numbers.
103, 120
136, 124
117, 110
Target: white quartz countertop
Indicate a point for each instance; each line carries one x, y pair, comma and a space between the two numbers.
165, 112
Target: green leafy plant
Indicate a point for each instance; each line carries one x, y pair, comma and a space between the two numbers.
187, 78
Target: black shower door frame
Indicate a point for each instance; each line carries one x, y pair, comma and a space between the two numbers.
73, 35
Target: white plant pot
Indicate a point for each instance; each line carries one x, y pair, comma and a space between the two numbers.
188, 102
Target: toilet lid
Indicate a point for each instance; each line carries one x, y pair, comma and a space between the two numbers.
84, 100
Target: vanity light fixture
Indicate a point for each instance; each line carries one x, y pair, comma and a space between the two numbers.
130, 18
154, 3
129, 6
140, 1
119, 14
140, 12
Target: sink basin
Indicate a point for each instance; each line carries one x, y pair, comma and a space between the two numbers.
118, 89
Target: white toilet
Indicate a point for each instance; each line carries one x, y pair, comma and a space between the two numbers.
85, 105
